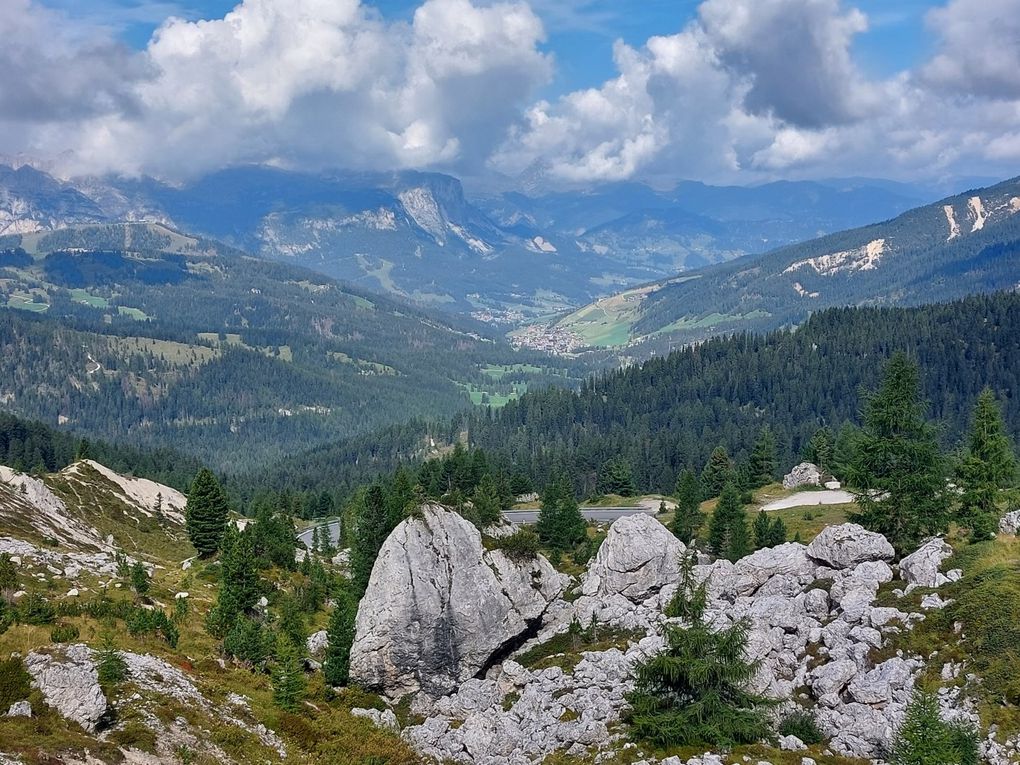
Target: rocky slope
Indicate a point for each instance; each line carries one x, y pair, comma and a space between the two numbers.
820, 637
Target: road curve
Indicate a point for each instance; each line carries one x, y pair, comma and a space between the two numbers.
600, 514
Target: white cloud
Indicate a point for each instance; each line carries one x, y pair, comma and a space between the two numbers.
765, 88
321, 83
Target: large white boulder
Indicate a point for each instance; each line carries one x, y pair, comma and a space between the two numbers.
1010, 523
69, 683
848, 545
637, 559
439, 607
805, 474
922, 566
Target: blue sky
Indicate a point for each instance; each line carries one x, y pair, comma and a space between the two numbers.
580, 33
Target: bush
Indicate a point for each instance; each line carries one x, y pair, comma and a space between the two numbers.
15, 682
925, 738
110, 664
802, 725
522, 545
64, 633
35, 609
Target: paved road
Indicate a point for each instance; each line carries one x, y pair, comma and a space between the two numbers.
334, 533
591, 513
514, 516
808, 498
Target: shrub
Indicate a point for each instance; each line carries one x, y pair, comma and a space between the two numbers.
64, 633
110, 664
15, 682
802, 725
35, 609
522, 545
925, 739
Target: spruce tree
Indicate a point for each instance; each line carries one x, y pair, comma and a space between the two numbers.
486, 501
898, 470
288, 676
206, 513
819, 448
239, 581
337, 664
695, 691
728, 535
717, 473
687, 518
616, 477
988, 467
762, 530
762, 465
925, 739
560, 523
777, 533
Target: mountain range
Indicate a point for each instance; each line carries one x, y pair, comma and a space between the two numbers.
961, 245
501, 256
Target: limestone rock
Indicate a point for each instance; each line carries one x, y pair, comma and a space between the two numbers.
637, 559
922, 566
382, 719
69, 683
805, 474
20, 709
439, 607
848, 545
1010, 523
317, 643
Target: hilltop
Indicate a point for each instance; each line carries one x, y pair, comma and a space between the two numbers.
958, 246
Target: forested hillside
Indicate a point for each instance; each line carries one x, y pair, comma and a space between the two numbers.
959, 246
670, 413
228, 357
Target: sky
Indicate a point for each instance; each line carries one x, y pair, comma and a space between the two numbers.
574, 92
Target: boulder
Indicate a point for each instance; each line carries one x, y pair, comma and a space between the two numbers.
848, 545
69, 683
805, 474
1010, 523
317, 643
922, 566
788, 559
20, 709
439, 608
637, 559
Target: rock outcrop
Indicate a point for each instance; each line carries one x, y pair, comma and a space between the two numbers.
440, 608
805, 474
922, 567
847, 545
69, 683
638, 558
1010, 523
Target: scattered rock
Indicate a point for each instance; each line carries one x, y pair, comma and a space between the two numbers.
69, 683
382, 719
922, 566
848, 545
805, 474
439, 607
20, 709
317, 643
638, 558
1010, 523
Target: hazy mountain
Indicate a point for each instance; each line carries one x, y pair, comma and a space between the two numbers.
962, 245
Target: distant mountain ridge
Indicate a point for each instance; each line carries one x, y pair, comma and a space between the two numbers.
965, 244
414, 234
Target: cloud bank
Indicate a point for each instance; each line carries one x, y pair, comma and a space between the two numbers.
748, 89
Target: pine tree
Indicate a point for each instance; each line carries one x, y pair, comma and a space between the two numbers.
777, 533
728, 535
925, 739
616, 477
486, 501
239, 581
139, 579
762, 465
819, 448
83, 451
687, 518
560, 523
988, 467
288, 676
762, 530
206, 513
717, 473
371, 526
695, 691
898, 471
337, 664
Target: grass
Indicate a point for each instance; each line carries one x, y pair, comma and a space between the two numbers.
135, 313
564, 650
178, 354
496, 399
26, 303
83, 296
499, 371
712, 320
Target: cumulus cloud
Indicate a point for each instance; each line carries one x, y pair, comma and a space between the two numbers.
746, 90
321, 83
762, 88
